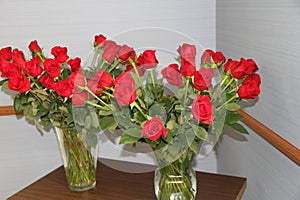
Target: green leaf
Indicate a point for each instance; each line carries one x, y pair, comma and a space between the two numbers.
149, 98
18, 107
5, 84
64, 109
95, 120
107, 122
88, 122
156, 110
200, 132
195, 147
92, 140
3, 81
232, 106
128, 139
135, 132
172, 125
232, 117
239, 128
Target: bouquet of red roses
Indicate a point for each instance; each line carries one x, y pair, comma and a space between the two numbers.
173, 110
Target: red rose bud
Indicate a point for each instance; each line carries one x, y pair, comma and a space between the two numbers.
230, 64
99, 39
187, 68
110, 50
172, 75
47, 81
19, 83
187, 52
154, 128
202, 109
60, 54
218, 58
34, 47
33, 67
148, 59
63, 88
206, 56
18, 57
125, 52
79, 99
6, 53
124, 92
250, 87
10, 70
203, 79
52, 67
75, 64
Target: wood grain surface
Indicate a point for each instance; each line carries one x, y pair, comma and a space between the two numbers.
117, 185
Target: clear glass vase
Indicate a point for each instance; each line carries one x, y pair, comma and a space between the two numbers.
177, 180
79, 158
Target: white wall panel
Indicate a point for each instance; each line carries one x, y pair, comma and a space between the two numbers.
267, 31
74, 24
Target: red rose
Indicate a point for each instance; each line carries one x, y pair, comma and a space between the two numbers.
77, 80
6, 53
202, 109
18, 57
101, 80
187, 68
93, 85
79, 99
33, 67
218, 58
124, 92
63, 88
19, 83
125, 52
206, 56
47, 81
99, 39
110, 50
250, 87
187, 52
154, 128
148, 59
34, 47
230, 64
60, 54
104, 79
249, 65
202, 79
245, 67
52, 67
172, 75
75, 64
3, 63
10, 70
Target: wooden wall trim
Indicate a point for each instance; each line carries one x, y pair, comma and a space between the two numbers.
273, 138
270, 136
7, 110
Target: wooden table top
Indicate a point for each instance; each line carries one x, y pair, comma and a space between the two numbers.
118, 185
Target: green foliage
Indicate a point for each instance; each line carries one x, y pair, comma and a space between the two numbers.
239, 128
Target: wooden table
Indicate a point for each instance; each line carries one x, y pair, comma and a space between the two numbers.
118, 185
